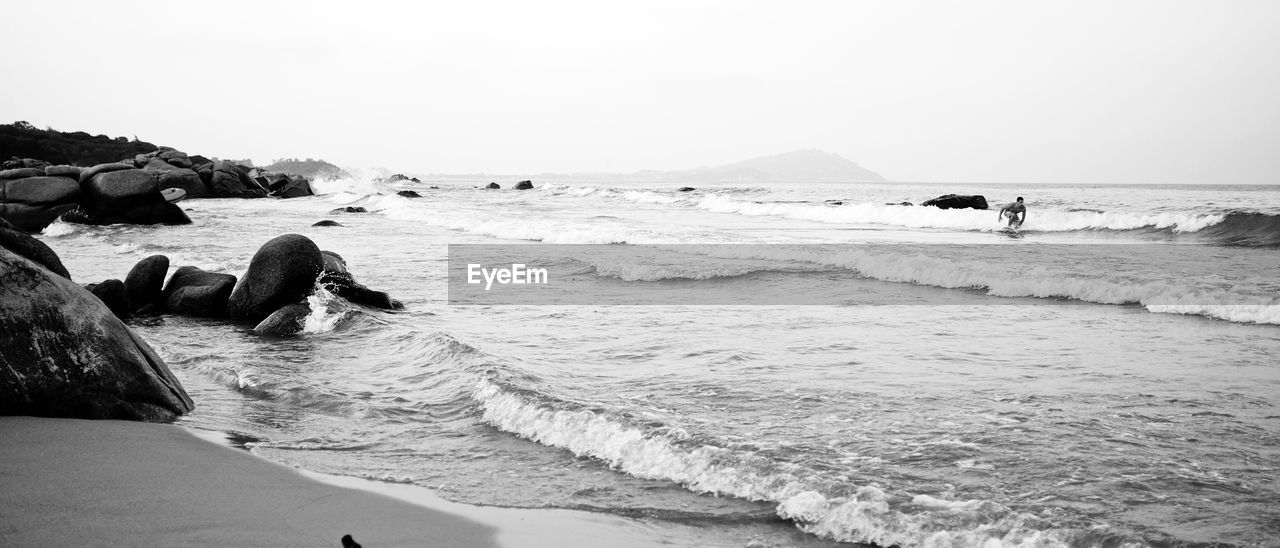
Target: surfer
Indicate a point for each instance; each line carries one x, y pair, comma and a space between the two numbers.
1012, 210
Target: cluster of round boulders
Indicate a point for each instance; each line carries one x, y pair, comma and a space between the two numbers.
33, 197
65, 353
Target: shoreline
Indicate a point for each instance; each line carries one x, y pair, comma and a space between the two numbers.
89, 483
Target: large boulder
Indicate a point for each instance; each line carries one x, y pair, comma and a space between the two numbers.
288, 320
227, 180
291, 187
32, 203
21, 173
524, 185
145, 282
86, 174
169, 176
338, 280
64, 354
23, 244
195, 292
493, 186
282, 272
129, 196
956, 201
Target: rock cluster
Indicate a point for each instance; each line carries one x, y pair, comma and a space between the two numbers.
956, 201
64, 353
33, 193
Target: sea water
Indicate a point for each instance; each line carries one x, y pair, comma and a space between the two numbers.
887, 374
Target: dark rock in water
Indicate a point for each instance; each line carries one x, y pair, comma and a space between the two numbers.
348, 542
327, 222
227, 180
524, 185
92, 172
344, 285
286, 321
685, 189
194, 292
113, 294
835, 202
120, 190
494, 186
24, 245
21, 173
408, 194
333, 262
900, 203
282, 272
186, 180
349, 209
145, 281
67, 355
956, 201
293, 188
32, 203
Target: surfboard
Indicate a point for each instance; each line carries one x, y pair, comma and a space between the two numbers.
173, 194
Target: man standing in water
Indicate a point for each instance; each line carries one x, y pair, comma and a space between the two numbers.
1012, 210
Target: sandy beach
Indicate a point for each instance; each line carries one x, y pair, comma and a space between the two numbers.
66, 482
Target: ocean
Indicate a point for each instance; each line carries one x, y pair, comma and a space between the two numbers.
777, 364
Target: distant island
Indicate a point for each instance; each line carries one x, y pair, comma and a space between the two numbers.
309, 168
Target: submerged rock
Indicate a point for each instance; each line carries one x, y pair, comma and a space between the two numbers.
66, 355
326, 222
408, 194
494, 186
524, 185
348, 209
288, 320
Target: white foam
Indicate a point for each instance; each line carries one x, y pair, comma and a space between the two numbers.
869, 514
60, 229
326, 313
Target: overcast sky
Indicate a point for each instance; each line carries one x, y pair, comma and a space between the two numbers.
1017, 91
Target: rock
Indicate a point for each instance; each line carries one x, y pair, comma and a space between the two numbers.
176, 158
344, 285
63, 171
349, 542
835, 202
900, 203
282, 272
198, 159
408, 194
333, 262
294, 188
172, 195
194, 292
113, 294
170, 176
145, 282
955, 201
34, 202
685, 189
21, 173
286, 321
92, 172
326, 222
66, 355
349, 209
119, 190
494, 186
524, 185
24, 245
227, 180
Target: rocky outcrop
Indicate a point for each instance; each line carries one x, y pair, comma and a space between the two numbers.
227, 180
35, 200
524, 185
408, 194
288, 320
956, 201
493, 186
112, 195
64, 354
145, 283
183, 178
282, 272
348, 209
113, 294
337, 280
194, 292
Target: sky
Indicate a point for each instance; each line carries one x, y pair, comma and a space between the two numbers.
1122, 91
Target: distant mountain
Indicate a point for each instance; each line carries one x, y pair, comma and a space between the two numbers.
809, 165
314, 169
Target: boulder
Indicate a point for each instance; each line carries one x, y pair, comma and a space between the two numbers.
34, 202
408, 194
524, 185
227, 180
113, 294
956, 201
92, 172
494, 186
175, 157
21, 173
34, 250
120, 190
326, 222
185, 180
333, 262
288, 320
64, 171
194, 292
685, 189
294, 188
64, 354
145, 282
282, 272
344, 285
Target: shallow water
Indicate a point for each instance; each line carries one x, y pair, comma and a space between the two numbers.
1108, 378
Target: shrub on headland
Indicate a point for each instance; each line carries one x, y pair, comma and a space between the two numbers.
77, 148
